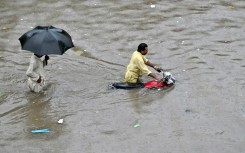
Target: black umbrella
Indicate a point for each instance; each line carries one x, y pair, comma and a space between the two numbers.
45, 40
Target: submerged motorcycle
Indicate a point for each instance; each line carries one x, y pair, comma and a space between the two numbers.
168, 81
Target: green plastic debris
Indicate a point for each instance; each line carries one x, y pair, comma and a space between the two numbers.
136, 125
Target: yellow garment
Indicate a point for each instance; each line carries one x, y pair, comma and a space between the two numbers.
136, 68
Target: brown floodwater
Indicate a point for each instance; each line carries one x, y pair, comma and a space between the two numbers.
200, 42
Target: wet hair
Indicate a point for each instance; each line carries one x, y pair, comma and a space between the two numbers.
142, 47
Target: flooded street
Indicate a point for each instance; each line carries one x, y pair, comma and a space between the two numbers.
200, 42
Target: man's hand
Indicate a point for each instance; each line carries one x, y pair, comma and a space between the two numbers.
39, 79
159, 79
158, 69
46, 57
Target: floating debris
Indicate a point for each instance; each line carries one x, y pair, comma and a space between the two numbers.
136, 125
153, 6
60, 121
40, 131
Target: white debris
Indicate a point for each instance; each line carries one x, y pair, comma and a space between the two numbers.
60, 121
153, 6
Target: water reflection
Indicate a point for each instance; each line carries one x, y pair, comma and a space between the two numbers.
38, 107
39, 114
145, 97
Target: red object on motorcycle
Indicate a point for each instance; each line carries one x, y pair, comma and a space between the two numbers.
154, 84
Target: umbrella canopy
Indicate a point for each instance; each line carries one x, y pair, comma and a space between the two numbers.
45, 40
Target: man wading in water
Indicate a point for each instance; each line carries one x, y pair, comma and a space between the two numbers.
35, 72
138, 66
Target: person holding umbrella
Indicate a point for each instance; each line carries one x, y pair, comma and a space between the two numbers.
43, 40
35, 72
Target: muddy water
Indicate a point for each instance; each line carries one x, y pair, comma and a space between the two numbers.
200, 42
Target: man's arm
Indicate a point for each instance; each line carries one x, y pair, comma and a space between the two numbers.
155, 77
150, 64
158, 69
